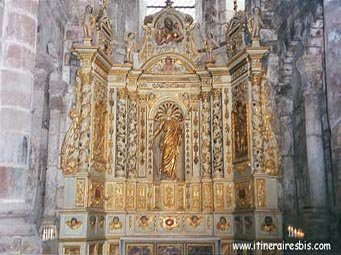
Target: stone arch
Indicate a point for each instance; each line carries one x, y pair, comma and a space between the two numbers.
161, 100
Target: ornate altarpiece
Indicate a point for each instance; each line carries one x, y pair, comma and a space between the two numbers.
171, 155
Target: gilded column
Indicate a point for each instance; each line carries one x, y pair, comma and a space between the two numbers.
84, 102
217, 135
257, 122
121, 121
206, 136
195, 136
132, 136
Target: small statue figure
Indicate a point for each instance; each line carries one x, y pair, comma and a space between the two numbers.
210, 44
88, 21
255, 23
131, 47
298, 29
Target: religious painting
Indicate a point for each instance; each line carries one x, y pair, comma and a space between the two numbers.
204, 249
139, 249
240, 125
169, 249
168, 31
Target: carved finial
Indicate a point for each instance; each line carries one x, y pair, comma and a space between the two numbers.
169, 3
235, 5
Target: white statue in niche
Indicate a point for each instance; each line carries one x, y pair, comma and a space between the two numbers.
255, 24
170, 130
130, 47
88, 21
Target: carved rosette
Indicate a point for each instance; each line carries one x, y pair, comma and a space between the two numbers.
121, 120
132, 136
217, 135
257, 122
206, 136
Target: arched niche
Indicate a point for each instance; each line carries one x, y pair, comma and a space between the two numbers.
165, 126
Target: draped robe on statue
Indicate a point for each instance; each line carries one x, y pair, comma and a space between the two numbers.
169, 144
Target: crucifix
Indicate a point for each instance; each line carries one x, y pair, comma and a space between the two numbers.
169, 4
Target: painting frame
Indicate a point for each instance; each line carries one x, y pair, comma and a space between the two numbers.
198, 247
138, 249
178, 246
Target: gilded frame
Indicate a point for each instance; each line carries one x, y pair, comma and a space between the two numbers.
150, 246
179, 246
189, 245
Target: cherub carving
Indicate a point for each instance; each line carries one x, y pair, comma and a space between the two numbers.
74, 223
194, 221
115, 224
88, 21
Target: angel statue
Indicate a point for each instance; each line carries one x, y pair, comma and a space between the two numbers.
88, 21
130, 47
255, 23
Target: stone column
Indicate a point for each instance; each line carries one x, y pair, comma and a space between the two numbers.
333, 77
316, 223
18, 28
56, 104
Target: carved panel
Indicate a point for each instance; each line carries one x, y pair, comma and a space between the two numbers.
141, 197
207, 196
240, 126
130, 196
119, 196
243, 193
80, 192
99, 131
219, 196
169, 196
71, 250
229, 195
261, 193
96, 194
196, 197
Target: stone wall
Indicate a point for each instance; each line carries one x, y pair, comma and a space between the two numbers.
37, 90
305, 86
32, 34
332, 37
18, 26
